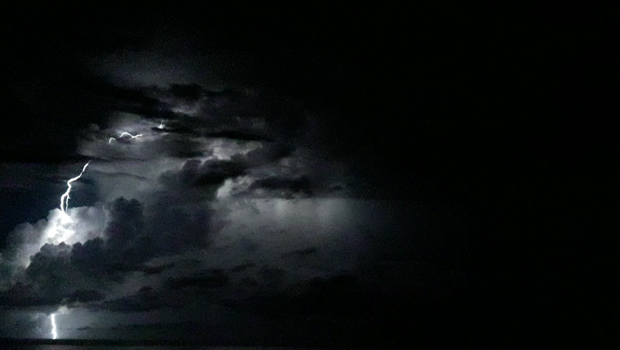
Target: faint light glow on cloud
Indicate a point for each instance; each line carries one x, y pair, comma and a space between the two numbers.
230, 185
191, 110
336, 228
225, 149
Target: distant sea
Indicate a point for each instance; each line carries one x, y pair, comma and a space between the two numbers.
44, 344
107, 345
125, 347
132, 347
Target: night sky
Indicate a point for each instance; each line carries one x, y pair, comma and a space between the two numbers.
309, 175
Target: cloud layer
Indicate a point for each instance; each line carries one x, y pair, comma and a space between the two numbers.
155, 192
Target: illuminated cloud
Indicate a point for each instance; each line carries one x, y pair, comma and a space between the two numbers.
76, 225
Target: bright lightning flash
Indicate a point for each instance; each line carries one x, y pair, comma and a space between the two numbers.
61, 311
128, 134
54, 329
64, 199
125, 133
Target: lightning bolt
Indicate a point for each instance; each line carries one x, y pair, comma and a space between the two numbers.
54, 330
125, 133
128, 134
64, 199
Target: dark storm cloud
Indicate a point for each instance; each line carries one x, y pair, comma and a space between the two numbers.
271, 276
177, 101
124, 230
180, 147
270, 170
85, 296
195, 132
209, 279
24, 295
266, 279
232, 114
159, 327
378, 290
51, 273
242, 267
215, 172
68, 275
209, 173
179, 223
125, 99
185, 108
97, 145
283, 185
189, 92
154, 270
22, 325
135, 237
120, 174
126, 223
301, 252
238, 135
52, 277
248, 246
267, 153
227, 95
91, 257
324, 296
146, 299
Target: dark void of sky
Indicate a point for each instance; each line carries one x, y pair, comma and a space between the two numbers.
308, 175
